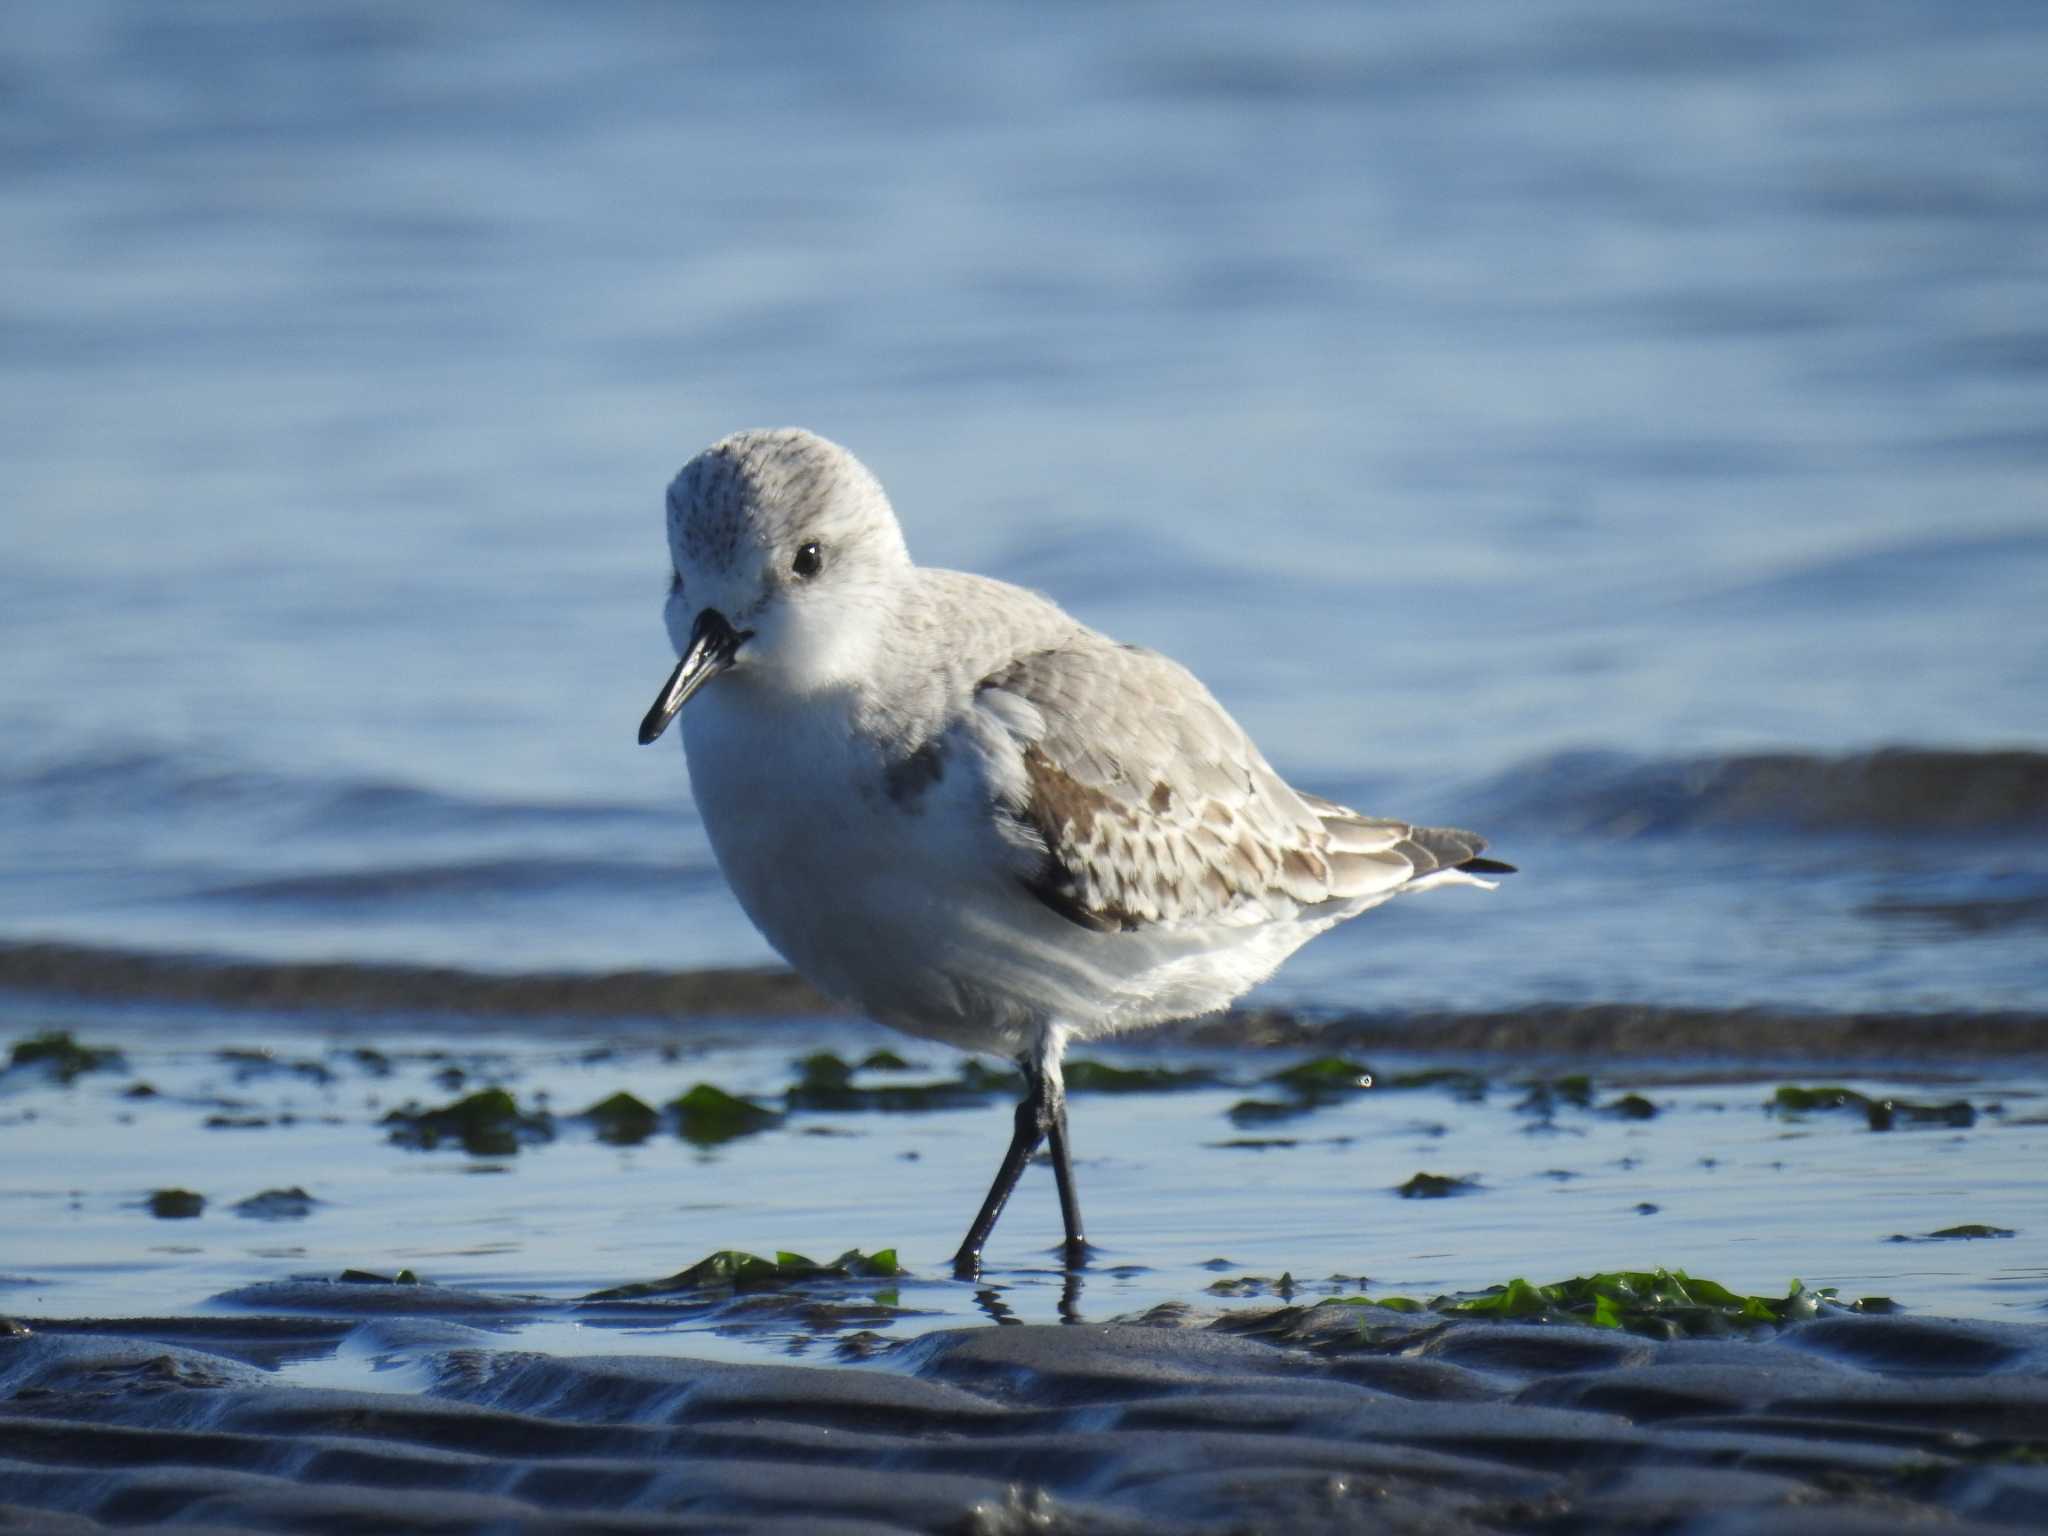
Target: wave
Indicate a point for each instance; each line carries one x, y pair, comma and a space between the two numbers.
496, 879
1906, 791
1583, 1032
1901, 789
1876, 580
1576, 1030
125, 783
94, 974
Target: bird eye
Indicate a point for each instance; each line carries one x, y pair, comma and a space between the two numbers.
809, 561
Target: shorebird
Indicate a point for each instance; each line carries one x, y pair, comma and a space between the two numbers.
955, 808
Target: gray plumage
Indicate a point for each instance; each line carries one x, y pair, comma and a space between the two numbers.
1154, 808
953, 806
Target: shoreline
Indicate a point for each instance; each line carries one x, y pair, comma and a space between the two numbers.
57, 974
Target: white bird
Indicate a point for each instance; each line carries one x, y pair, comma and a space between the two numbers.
975, 819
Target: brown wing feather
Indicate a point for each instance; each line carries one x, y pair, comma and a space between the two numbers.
1145, 804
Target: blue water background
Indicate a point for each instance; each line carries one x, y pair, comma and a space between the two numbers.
1486, 400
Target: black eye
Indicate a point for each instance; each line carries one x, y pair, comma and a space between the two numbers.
809, 561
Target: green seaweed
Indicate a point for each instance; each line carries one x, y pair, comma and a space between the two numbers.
1463, 1084
175, 1204
820, 1075
825, 1082
1309, 1085
1250, 1112
1658, 1303
1255, 1285
1391, 1303
1958, 1113
371, 1277
291, 1204
730, 1271
1630, 1106
55, 1052
1084, 1076
1541, 1096
1435, 1186
261, 1062
622, 1119
999, 1082
1793, 1099
488, 1123
1323, 1077
1879, 1114
708, 1116
1575, 1089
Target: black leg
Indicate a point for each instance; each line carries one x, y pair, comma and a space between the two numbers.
1023, 1142
1041, 1117
1063, 1175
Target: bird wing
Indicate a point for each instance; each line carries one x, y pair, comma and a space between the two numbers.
1133, 801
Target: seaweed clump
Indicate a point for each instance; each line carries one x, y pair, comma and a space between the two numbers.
175, 1204
488, 1123
826, 1082
1309, 1085
623, 1120
1879, 1114
1657, 1303
54, 1051
730, 1271
1084, 1076
707, 1116
1435, 1186
292, 1204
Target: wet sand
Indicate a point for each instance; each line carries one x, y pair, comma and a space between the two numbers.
1323, 1417
1299, 1419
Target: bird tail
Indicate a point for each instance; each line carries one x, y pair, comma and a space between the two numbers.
1433, 855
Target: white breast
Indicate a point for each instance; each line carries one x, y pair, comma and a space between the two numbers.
912, 912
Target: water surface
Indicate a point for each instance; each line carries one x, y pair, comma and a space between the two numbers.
1451, 389
1608, 426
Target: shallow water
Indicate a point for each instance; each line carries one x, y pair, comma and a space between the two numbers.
1185, 1202
1605, 426
1452, 390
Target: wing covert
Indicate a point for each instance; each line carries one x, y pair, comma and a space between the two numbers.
1136, 801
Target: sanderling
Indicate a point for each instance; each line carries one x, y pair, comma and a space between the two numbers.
957, 809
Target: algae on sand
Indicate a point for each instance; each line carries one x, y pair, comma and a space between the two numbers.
707, 1116
488, 1123
1085, 1076
1658, 1303
826, 1082
1435, 1186
55, 1052
622, 1120
1879, 1114
730, 1270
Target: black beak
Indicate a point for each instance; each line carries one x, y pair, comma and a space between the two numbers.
713, 643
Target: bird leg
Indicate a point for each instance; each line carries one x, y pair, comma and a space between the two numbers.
1041, 1116
1023, 1142
1063, 1175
